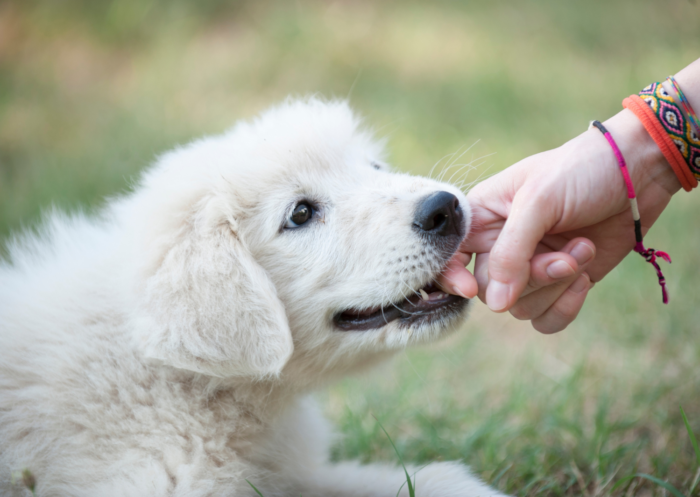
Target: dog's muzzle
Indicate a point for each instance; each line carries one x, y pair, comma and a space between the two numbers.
439, 220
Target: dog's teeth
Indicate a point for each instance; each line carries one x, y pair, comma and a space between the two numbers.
424, 294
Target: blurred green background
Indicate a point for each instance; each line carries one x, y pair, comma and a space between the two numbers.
91, 91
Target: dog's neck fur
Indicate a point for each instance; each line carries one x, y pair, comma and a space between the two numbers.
261, 400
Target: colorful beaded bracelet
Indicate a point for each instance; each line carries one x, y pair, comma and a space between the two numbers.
649, 254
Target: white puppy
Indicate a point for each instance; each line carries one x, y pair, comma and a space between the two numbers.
166, 348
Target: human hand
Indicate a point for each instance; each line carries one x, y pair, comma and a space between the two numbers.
556, 209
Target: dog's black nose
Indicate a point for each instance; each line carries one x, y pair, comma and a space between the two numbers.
439, 214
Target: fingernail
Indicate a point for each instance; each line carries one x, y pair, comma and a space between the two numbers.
457, 291
497, 295
580, 285
559, 269
582, 252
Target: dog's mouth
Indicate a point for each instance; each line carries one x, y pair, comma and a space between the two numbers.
425, 306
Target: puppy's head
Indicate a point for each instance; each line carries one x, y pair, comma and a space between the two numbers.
287, 245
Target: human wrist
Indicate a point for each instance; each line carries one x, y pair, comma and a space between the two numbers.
646, 163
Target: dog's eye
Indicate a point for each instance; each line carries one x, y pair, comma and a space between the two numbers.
300, 215
376, 166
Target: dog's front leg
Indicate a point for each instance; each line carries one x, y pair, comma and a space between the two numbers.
350, 479
298, 445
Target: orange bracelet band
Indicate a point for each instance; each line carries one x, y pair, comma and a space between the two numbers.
659, 135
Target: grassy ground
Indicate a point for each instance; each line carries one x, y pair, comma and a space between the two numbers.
91, 91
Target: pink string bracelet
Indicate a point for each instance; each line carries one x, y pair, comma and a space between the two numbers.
649, 254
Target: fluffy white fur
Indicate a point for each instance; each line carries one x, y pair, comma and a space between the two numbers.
167, 347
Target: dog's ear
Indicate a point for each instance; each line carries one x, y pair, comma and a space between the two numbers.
207, 305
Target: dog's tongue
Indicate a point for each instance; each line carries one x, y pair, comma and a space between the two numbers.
456, 278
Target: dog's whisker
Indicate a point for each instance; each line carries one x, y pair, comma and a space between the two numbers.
464, 167
448, 165
444, 157
482, 177
462, 182
445, 170
410, 288
454, 161
384, 296
465, 174
471, 163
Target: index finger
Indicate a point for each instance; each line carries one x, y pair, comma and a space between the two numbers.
509, 262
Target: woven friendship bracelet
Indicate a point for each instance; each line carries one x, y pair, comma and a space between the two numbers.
658, 133
672, 117
649, 254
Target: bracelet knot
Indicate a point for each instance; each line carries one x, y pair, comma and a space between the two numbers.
650, 256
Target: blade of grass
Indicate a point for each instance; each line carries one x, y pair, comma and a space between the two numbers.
256, 490
652, 479
414, 479
411, 490
399, 491
500, 474
693, 440
696, 478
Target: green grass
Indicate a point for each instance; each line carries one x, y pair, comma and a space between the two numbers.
91, 92
255, 489
663, 484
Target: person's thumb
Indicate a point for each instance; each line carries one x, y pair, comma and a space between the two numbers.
509, 260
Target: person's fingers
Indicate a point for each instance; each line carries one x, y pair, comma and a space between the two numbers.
565, 309
486, 225
550, 275
538, 277
456, 278
509, 260
536, 303
481, 274
551, 268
